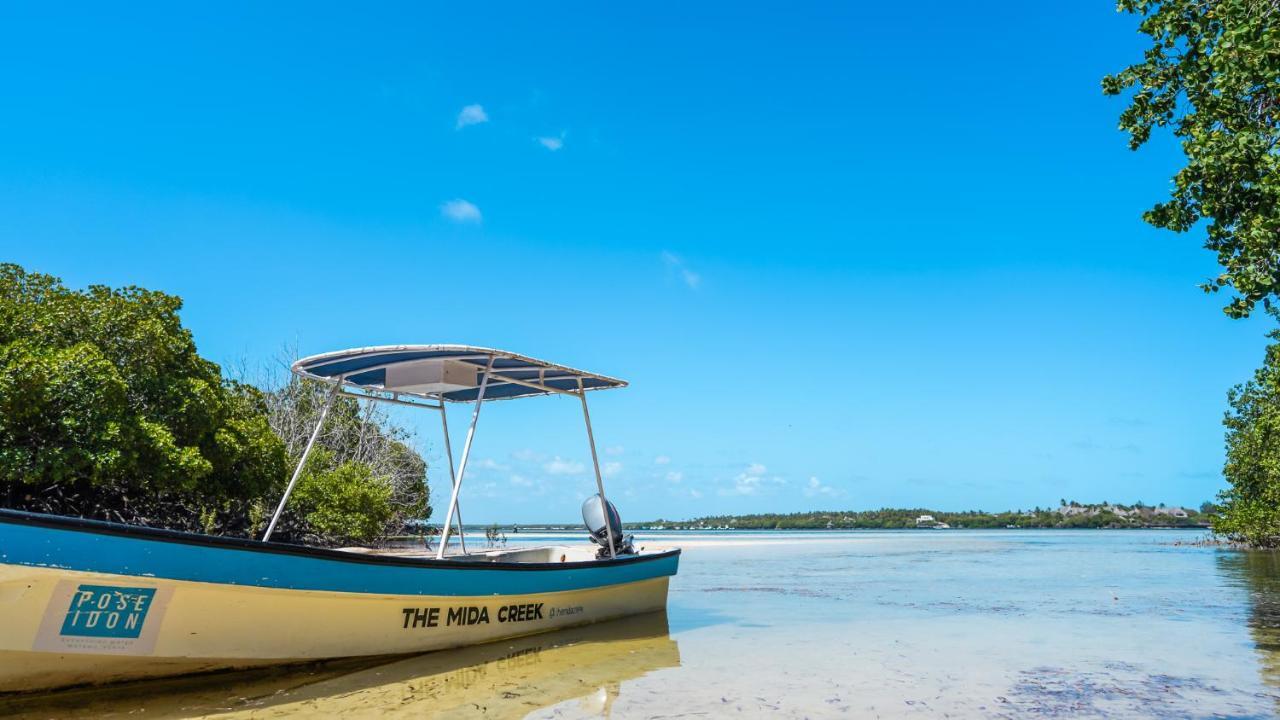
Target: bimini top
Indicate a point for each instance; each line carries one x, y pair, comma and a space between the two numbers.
448, 372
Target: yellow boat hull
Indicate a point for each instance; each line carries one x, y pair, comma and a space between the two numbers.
210, 627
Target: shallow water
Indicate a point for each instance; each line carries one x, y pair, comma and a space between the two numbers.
1000, 624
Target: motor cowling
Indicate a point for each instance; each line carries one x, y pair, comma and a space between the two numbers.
593, 517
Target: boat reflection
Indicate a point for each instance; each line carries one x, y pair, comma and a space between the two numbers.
509, 679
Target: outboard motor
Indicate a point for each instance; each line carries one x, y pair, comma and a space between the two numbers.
599, 531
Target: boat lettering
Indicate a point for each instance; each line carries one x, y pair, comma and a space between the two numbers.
562, 611
429, 617
520, 613
107, 611
469, 615
422, 617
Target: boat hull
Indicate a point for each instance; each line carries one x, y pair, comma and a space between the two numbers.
72, 617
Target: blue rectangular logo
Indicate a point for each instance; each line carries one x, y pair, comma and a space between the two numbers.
107, 612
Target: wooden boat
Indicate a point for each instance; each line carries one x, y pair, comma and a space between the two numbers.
88, 602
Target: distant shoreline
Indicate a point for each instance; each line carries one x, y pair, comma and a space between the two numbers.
1070, 515
510, 528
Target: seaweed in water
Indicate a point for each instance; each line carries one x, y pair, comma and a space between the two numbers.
1062, 693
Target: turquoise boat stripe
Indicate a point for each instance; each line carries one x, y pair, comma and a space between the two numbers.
144, 557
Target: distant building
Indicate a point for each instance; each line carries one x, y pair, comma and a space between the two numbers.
926, 520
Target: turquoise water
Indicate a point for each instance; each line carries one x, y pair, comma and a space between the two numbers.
999, 624
981, 623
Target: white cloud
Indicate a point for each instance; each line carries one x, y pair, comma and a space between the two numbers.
486, 490
815, 487
552, 142
662, 460
610, 469
528, 486
675, 476
743, 485
527, 455
560, 466
461, 211
471, 115
695, 494
677, 266
490, 464
751, 480
614, 450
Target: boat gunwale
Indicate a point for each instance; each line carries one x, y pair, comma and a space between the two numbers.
104, 527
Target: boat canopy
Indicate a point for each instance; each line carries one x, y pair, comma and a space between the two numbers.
448, 372
440, 373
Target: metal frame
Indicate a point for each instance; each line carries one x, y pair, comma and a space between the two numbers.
453, 476
595, 462
488, 374
302, 461
338, 389
389, 397
466, 455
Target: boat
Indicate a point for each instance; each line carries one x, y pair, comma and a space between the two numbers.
89, 602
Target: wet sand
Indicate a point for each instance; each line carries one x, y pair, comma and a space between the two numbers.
999, 624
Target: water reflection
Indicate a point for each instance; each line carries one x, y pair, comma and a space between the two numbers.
588, 666
1259, 574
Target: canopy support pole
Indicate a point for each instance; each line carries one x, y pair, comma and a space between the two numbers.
462, 463
302, 461
453, 474
595, 462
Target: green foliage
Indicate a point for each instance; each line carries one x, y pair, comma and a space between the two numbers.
62, 416
1250, 511
1212, 74
104, 400
108, 411
493, 535
360, 438
343, 502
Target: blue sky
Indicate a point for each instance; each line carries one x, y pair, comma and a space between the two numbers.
848, 255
